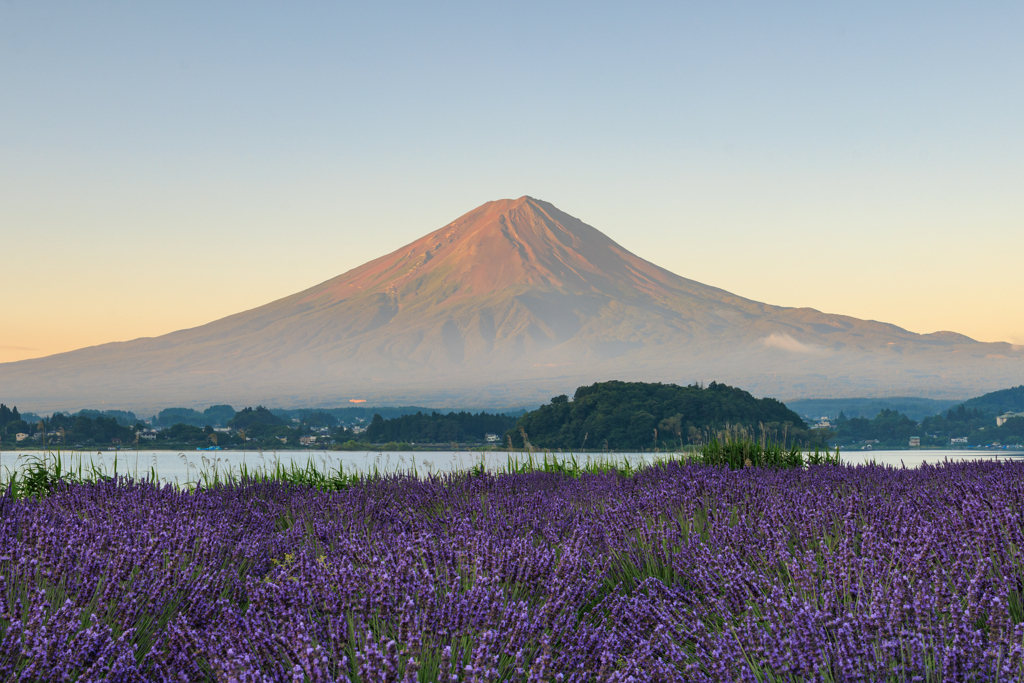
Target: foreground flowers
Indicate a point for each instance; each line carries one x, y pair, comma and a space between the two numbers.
677, 573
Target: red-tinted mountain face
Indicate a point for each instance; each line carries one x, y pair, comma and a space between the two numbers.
521, 244
507, 304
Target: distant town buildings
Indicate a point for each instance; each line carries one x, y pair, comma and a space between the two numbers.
958, 440
915, 441
1001, 420
491, 438
20, 436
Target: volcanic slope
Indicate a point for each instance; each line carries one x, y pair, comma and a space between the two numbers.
505, 305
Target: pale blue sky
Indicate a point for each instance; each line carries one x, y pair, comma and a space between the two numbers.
162, 166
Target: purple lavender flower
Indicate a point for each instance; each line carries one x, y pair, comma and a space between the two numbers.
676, 573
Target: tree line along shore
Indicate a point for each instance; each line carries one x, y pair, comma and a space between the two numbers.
602, 417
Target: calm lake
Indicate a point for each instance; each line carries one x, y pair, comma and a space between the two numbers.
186, 466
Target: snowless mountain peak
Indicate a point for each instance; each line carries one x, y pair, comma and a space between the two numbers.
510, 303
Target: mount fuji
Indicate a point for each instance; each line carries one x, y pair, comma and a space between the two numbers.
507, 305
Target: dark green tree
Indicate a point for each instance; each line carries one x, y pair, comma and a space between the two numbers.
247, 417
8, 415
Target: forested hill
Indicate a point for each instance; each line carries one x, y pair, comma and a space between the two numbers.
623, 416
998, 402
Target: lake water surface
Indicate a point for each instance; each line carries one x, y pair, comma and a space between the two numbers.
186, 466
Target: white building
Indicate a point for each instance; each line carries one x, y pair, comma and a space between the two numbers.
21, 436
1001, 420
915, 441
492, 438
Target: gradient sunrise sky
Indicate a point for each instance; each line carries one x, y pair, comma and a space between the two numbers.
164, 165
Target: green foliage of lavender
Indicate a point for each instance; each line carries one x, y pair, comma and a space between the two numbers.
551, 571
735, 448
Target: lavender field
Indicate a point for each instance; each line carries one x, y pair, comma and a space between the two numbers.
677, 572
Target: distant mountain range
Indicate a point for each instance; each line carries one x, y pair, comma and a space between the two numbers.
509, 304
915, 408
